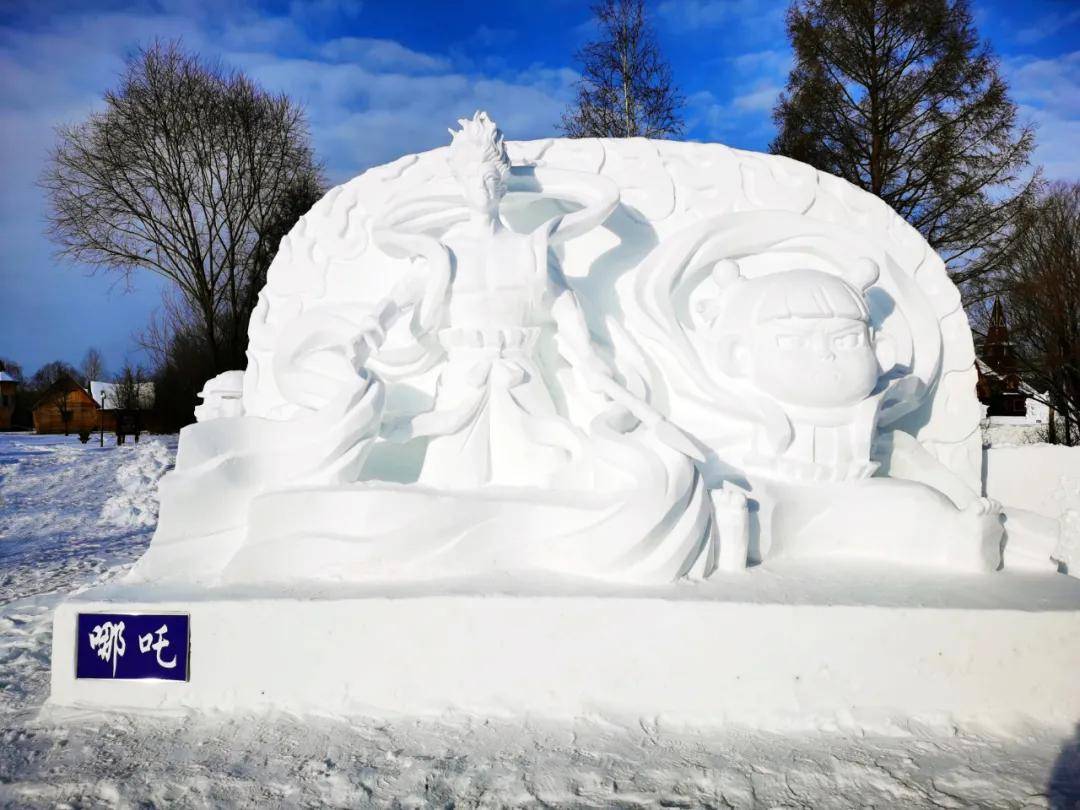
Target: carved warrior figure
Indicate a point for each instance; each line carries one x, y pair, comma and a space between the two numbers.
495, 419
511, 328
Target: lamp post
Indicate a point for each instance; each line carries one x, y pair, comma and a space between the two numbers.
101, 420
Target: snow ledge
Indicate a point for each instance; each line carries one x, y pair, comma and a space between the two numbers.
681, 653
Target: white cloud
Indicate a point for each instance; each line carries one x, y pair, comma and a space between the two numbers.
1056, 139
1047, 83
1047, 91
325, 9
381, 54
368, 101
762, 99
362, 117
747, 15
743, 115
1046, 26
773, 63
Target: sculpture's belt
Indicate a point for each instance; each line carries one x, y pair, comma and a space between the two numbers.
510, 339
498, 355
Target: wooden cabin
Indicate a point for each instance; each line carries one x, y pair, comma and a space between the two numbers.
67, 407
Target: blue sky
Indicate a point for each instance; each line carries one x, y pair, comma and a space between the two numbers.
381, 78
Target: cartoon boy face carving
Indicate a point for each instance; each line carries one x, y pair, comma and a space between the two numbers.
819, 362
801, 337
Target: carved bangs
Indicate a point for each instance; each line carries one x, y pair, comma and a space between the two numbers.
807, 294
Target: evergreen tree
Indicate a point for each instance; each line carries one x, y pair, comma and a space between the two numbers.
901, 98
1040, 288
626, 89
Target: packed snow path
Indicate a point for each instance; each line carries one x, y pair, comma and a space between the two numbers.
72, 516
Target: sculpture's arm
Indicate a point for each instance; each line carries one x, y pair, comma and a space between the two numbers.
322, 353
404, 232
574, 341
431, 213
598, 196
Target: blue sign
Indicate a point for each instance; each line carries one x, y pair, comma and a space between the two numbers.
132, 646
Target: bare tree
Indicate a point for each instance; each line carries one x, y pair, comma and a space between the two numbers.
63, 407
51, 373
93, 365
1040, 288
131, 392
171, 318
626, 89
902, 99
134, 396
190, 172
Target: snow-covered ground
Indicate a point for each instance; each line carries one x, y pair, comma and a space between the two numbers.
72, 516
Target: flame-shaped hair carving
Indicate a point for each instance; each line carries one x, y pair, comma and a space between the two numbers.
478, 146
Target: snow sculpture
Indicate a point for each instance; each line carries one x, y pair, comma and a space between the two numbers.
624, 360
222, 395
494, 419
797, 348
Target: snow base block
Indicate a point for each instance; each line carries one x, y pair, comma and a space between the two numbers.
760, 649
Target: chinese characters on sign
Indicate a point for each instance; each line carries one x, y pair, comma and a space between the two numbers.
158, 646
147, 643
107, 640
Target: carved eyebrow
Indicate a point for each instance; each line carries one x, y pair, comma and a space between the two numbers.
847, 330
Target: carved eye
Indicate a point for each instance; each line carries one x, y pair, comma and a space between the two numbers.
852, 340
788, 343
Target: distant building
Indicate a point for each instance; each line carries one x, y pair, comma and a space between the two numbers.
1000, 387
8, 384
1014, 412
67, 407
132, 417
106, 396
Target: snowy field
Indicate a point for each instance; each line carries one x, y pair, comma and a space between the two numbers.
73, 516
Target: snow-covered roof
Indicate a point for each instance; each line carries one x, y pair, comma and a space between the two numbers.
98, 390
5, 377
984, 369
987, 371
